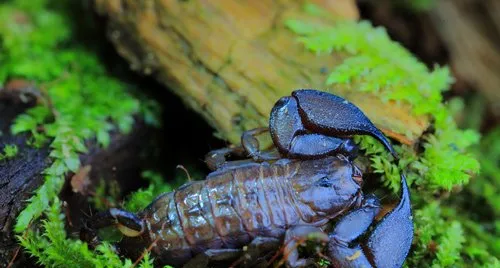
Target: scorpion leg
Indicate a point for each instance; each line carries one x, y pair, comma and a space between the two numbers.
255, 253
204, 258
215, 159
252, 146
294, 237
387, 245
252, 255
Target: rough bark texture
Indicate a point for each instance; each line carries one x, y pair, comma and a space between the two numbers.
471, 31
231, 60
20, 176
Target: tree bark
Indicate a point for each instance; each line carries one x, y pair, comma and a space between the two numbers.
21, 176
232, 60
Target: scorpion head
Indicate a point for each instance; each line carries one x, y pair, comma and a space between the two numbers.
328, 186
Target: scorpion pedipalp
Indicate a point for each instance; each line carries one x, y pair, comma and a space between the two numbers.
331, 115
322, 119
386, 246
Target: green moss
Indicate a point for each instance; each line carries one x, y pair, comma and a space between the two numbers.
52, 247
83, 102
142, 197
9, 151
377, 65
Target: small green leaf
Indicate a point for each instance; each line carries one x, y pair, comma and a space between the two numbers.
79, 145
73, 163
125, 124
58, 168
10, 151
103, 138
23, 123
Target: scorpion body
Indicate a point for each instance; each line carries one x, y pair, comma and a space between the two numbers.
232, 207
245, 210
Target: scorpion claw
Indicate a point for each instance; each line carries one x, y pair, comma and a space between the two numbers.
313, 124
347, 230
285, 123
292, 139
387, 245
391, 240
204, 258
331, 115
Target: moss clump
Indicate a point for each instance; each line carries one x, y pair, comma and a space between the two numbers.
377, 65
9, 151
53, 248
82, 102
142, 197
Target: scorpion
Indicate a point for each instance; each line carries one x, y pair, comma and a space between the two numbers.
247, 210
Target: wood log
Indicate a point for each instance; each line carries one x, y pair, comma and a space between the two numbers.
232, 60
21, 176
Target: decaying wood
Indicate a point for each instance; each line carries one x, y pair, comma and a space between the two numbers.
21, 176
231, 60
471, 30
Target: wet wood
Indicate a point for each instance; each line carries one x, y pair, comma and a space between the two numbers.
231, 60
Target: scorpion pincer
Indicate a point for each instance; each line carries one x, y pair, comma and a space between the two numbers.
245, 211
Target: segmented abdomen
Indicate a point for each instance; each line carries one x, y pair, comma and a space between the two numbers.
226, 210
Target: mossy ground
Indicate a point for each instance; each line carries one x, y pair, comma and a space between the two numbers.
458, 229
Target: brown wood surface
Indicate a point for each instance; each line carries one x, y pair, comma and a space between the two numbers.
231, 60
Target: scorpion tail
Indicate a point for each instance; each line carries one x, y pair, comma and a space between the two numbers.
391, 240
128, 224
